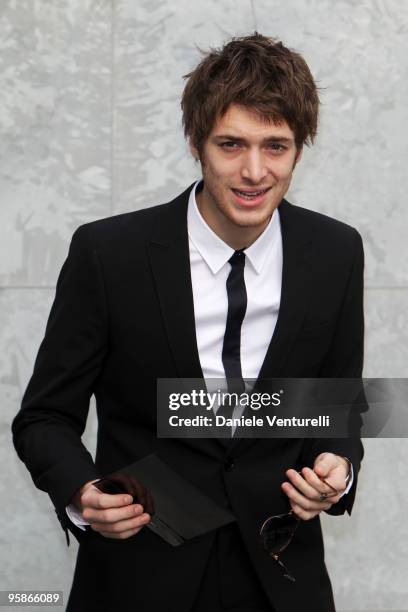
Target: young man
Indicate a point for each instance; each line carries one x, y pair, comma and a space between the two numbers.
149, 295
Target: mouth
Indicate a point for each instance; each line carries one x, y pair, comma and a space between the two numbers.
250, 197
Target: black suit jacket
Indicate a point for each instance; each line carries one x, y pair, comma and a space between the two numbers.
123, 317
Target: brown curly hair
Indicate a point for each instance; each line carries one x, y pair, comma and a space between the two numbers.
258, 73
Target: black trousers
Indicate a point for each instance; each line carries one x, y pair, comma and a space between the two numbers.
229, 582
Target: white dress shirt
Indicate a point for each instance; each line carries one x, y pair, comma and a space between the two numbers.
209, 257
210, 268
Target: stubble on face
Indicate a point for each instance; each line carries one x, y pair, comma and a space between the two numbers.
224, 170
217, 198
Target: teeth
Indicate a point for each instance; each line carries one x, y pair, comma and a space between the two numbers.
250, 194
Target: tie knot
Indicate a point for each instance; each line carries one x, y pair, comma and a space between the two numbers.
237, 258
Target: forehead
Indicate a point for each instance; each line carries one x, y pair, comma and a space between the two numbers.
242, 122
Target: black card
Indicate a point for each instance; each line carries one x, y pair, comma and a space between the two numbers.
180, 511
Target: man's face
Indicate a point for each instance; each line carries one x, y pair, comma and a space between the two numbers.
243, 156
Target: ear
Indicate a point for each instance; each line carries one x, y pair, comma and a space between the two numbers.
298, 155
194, 151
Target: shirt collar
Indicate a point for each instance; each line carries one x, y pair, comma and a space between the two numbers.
215, 251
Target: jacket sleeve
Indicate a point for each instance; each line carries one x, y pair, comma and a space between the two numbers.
345, 360
47, 429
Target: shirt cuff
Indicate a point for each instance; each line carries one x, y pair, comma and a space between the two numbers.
350, 482
76, 517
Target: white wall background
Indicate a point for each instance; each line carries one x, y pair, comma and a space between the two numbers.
90, 127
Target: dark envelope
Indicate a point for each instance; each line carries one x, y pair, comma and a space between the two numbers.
179, 510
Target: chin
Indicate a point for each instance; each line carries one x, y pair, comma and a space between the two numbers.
249, 219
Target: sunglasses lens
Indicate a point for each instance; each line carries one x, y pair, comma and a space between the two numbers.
278, 531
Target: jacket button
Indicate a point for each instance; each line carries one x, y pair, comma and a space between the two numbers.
229, 464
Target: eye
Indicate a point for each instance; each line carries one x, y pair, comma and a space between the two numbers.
277, 147
229, 146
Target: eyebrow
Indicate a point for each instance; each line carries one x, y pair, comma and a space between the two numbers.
264, 141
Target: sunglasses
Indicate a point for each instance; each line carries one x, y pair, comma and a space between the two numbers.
277, 532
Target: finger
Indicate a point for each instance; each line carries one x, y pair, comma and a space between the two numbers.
302, 501
302, 485
112, 515
317, 483
96, 499
324, 463
337, 479
301, 513
122, 526
121, 536
304, 515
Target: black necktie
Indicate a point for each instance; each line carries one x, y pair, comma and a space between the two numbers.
237, 304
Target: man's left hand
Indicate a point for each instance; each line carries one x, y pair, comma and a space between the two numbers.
305, 488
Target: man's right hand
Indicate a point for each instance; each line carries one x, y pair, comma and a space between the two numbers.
113, 516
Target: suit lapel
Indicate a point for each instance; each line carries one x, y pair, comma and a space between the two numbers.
169, 257
296, 271
170, 263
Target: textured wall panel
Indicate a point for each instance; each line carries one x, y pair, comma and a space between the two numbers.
155, 46
34, 554
55, 73
386, 343
56, 86
28, 559
357, 171
366, 553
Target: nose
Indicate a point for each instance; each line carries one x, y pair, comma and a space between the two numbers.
254, 166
